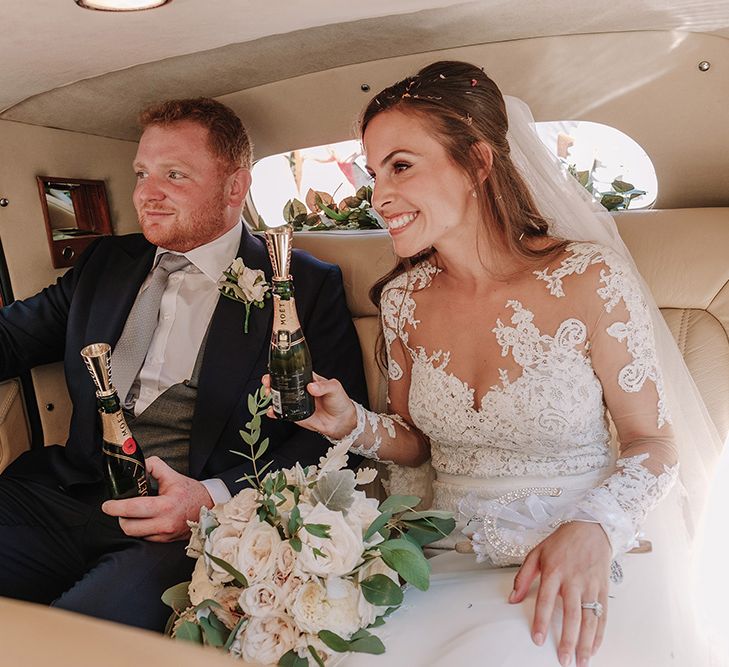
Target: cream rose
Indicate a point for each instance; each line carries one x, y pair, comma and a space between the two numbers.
239, 510
362, 513
262, 600
222, 543
227, 612
257, 550
333, 607
342, 550
201, 587
265, 640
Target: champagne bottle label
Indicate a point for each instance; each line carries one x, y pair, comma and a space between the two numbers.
289, 363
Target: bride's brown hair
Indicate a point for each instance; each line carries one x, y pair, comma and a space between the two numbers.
465, 108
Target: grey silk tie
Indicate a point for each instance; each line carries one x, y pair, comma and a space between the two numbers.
131, 350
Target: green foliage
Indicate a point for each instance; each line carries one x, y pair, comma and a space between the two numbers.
361, 641
324, 215
381, 591
616, 199
408, 560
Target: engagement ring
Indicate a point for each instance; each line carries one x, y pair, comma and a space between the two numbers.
595, 606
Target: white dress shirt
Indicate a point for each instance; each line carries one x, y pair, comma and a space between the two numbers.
185, 311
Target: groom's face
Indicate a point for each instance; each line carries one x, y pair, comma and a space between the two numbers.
185, 195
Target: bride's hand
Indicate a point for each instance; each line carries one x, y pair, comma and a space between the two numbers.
334, 414
574, 563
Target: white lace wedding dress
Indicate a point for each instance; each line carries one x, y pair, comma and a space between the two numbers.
566, 344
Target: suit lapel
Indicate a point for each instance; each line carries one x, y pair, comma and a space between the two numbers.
229, 359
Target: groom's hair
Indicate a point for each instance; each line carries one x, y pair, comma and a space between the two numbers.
227, 137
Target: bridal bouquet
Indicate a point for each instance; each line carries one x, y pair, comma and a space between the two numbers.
295, 569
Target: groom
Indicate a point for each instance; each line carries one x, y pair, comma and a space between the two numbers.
187, 403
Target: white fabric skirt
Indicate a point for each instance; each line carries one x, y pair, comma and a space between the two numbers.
465, 619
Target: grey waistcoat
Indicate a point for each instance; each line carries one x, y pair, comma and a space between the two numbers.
164, 428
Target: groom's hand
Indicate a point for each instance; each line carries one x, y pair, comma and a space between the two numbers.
573, 563
161, 518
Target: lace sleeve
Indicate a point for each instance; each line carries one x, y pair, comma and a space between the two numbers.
391, 437
622, 350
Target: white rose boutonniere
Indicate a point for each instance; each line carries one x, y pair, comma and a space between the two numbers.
248, 286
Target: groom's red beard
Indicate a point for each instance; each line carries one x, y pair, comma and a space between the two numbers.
183, 231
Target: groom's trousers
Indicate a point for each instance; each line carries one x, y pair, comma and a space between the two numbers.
59, 548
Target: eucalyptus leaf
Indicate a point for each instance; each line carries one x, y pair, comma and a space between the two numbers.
407, 559
315, 655
372, 645
261, 449
295, 543
318, 530
189, 632
294, 520
177, 597
379, 523
395, 504
252, 404
334, 641
381, 591
234, 633
238, 576
292, 659
215, 633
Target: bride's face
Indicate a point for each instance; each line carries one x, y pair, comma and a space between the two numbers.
424, 197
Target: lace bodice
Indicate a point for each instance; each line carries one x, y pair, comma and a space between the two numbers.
570, 341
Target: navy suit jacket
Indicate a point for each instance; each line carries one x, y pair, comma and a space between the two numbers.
90, 304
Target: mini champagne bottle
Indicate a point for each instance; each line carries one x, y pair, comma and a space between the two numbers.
289, 360
124, 468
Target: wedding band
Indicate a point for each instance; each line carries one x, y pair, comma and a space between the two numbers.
595, 606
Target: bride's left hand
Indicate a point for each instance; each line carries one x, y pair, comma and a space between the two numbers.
574, 563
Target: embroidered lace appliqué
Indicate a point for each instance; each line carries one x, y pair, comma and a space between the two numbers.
637, 332
546, 418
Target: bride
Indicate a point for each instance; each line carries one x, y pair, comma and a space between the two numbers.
516, 331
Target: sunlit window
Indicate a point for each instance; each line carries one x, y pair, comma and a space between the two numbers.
326, 187
611, 165
334, 169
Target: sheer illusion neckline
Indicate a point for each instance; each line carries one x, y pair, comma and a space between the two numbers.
522, 340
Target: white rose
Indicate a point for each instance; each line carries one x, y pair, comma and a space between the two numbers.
265, 640
253, 283
262, 600
227, 612
290, 584
334, 607
257, 550
362, 512
237, 266
342, 550
201, 587
285, 559
222, 543
367, 611
239, 510
198, 531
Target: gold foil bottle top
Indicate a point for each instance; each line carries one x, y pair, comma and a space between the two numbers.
280, 241
98, 360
